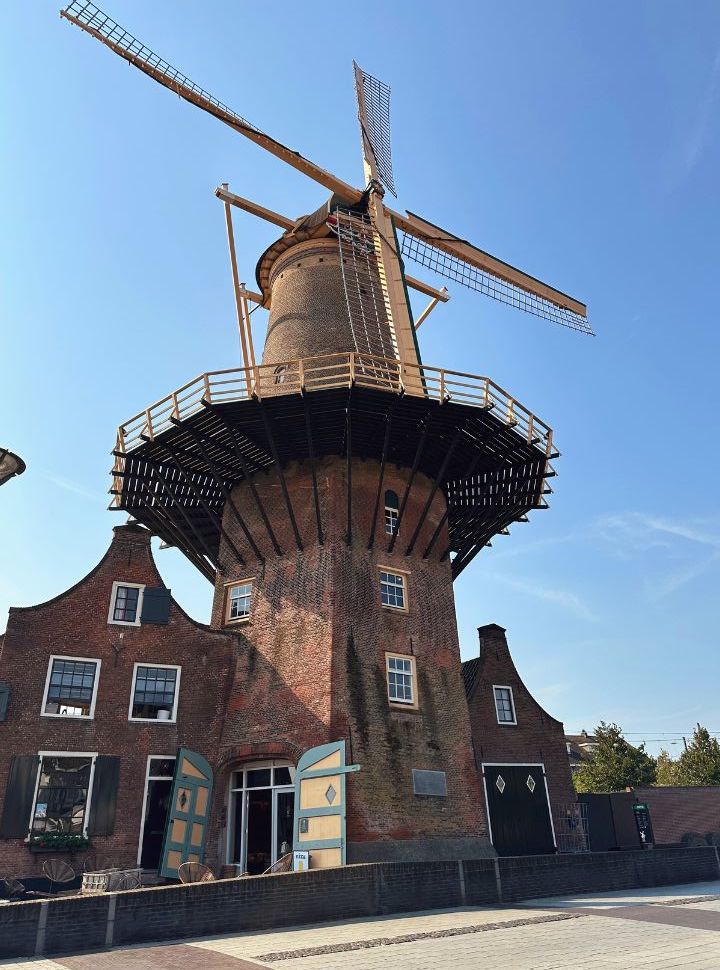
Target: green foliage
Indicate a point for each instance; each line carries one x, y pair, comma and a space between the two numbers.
615, 764
666, 770
59, 841
700, 763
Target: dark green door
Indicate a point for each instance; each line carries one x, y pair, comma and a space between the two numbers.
518, 809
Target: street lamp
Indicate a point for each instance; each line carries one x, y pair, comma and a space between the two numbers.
10, 465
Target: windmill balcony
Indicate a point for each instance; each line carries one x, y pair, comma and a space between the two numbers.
177, 461
324, 373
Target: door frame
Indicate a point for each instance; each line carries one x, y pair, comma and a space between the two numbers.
165, 757
236, 795
516, 764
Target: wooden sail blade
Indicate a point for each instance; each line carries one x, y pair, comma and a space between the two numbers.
373, 100
458, 260
94, 21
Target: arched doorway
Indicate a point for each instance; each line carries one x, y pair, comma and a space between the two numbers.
262, 804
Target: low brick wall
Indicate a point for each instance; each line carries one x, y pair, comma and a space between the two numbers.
78, 923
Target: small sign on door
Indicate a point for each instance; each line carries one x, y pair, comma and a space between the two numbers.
301, 861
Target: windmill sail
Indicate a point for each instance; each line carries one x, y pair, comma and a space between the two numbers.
374, 98
458, 260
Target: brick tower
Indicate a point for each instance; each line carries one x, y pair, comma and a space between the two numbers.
334, 491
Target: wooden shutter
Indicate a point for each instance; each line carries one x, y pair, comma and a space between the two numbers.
156, 605
189, 814
4, 701
19, 795
104, 795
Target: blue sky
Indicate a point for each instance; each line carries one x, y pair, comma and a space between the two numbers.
580, 142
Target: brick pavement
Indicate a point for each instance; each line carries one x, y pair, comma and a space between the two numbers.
656, 930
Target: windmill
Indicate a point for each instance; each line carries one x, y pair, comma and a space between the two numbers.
377, 326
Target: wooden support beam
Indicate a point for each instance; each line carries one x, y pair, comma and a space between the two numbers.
411, 479
236, 285
381, 475
436, 484
427, 311
249, 479
468, 473
311, 455
211, 514
169, 491
441, 295
229, 502
281, 475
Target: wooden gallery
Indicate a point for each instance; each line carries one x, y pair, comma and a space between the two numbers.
331, 493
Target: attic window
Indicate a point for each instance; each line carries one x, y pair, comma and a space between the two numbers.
504, 705
126, 603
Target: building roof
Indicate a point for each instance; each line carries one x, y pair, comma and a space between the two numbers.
470, 671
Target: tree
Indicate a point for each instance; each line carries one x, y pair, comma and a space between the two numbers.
666, 770
700, 763
615, 764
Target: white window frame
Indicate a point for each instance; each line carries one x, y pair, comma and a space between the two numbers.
176, 699
113, 597
512, 723
393, 701
242, 791
394, 512
250, 581
404, 575
148, 779
72, 717
64, 754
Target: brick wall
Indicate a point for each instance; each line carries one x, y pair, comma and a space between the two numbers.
681, 813
76, 624
536, 738
270, 902
311, 667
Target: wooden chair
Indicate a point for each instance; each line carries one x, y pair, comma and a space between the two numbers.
195, 872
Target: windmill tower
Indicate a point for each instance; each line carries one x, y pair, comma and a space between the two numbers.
333, 490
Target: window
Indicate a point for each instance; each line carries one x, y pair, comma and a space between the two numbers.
279, 373
71, 687
154, 693
126, 603
504, 706
239, 601
392, 590
400, 679
391, 513
62, 795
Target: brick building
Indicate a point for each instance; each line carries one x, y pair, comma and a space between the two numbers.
520, 751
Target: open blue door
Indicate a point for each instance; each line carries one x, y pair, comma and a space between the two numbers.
189, 813
320, 804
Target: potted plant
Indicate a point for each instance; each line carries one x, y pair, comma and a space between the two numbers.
57, 842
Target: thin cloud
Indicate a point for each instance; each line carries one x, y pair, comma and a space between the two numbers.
697, 140
551, 594
71, 486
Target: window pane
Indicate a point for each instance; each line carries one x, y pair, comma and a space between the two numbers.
504, 704
282, 776
154, 692
62, 795
126, 602
239, 601
162, 767
71, 688
258, 778
392, 590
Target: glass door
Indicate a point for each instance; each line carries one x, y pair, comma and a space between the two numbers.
262, 803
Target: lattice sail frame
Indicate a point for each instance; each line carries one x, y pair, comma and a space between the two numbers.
377, 110
366, 295
455, 269
97, 20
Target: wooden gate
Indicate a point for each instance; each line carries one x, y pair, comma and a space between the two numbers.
189, 813
518, 809
319, 824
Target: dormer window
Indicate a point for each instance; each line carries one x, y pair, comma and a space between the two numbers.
126, 603
392, 507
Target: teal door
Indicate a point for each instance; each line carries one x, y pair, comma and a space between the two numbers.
189, 813
319, 825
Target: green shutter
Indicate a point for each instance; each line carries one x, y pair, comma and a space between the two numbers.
104, 795
156, 605
4, 701
19, 795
